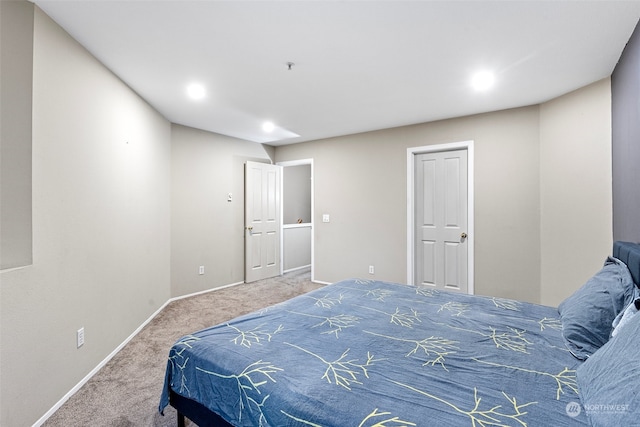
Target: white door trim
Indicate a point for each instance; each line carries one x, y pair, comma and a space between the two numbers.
411, 153
298, 163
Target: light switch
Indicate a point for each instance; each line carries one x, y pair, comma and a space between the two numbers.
325, 217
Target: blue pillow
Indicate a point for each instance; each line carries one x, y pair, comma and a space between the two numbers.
588, 314
625, 315
609, 381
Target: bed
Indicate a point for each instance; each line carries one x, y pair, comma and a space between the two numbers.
372, 353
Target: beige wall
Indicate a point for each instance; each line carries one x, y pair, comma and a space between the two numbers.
576, 189
206, 229
127, 206
360, 180
296, 241
101, 164
16, 63
542, 196
296, 194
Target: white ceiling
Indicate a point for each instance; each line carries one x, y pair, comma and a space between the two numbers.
359, 65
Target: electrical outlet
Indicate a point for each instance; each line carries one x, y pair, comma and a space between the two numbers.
80, 337
371, 269
201, 269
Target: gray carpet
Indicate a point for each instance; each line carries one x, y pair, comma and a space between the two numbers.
126, 391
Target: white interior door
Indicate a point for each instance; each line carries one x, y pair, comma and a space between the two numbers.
262, 220
441, 220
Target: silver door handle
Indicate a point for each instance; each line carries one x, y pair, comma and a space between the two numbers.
249, 228
463, 236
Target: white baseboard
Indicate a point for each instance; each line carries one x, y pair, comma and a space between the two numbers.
297, 268
199, 293
95, 370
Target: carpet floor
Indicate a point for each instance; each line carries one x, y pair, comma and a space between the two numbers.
126, 391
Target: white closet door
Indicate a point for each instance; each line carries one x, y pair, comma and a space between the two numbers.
441, 220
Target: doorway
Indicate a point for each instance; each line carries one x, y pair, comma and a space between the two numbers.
297, 216
440, 216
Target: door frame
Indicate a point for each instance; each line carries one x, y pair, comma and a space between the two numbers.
284, 165
411, 153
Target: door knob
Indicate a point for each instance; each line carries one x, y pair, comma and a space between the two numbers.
463, 236
250, 228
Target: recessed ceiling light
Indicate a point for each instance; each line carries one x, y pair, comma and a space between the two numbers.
196, 91
483, 80
268, 127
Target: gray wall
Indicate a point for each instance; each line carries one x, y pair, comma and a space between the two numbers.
575, 196
101, 209
625, 88
360, 180
206, 229
16, 64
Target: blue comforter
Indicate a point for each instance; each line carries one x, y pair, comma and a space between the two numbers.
369, 353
